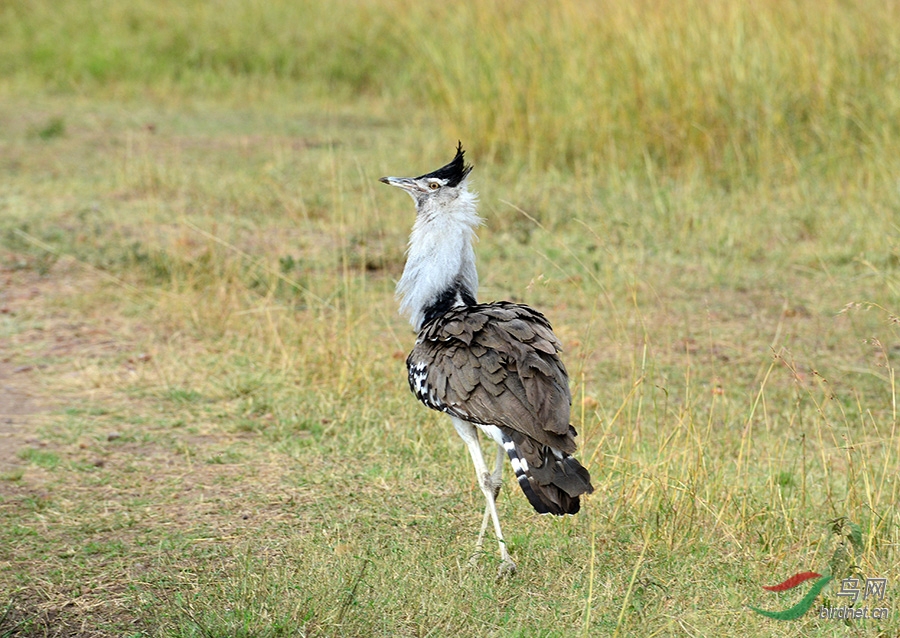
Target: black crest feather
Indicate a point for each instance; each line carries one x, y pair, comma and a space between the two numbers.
455, 171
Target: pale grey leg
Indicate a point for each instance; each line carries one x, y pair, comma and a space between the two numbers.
486, 481
496, 482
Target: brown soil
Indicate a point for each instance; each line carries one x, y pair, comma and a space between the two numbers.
18, 404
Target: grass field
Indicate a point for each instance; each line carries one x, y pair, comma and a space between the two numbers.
205, 427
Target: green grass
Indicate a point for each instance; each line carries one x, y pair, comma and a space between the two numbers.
41, 458
198, 267
739, 93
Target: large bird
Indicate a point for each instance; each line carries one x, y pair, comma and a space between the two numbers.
492, 367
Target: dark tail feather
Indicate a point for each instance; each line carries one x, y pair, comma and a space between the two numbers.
551, 480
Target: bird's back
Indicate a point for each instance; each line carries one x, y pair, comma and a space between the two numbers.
497, 365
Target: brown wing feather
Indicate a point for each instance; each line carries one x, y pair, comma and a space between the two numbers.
497, 364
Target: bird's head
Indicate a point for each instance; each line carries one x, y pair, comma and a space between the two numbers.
438, 189
440, 262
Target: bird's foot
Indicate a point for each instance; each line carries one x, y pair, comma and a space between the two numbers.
506, 570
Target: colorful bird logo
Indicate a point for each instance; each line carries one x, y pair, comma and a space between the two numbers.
792, 613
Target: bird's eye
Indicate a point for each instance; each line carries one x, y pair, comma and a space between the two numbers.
434, 186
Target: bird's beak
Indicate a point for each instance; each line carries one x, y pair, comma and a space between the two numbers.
406, 183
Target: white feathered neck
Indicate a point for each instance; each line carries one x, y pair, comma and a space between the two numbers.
440, 258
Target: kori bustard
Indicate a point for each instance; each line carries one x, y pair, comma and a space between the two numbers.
492, 367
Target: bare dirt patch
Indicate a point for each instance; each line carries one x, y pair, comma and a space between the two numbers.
18, 402
16, 408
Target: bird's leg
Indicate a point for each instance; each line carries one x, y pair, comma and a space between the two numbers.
496, 482
485, 480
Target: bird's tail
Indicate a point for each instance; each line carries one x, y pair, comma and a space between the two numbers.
551, 479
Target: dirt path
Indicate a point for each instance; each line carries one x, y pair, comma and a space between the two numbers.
17, 404
16, 409
34, 339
